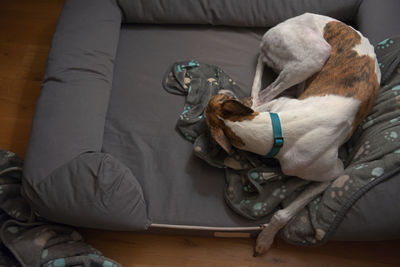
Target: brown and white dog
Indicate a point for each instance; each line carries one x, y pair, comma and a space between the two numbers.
341, 75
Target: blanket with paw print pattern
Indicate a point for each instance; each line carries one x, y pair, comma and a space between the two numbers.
256, 188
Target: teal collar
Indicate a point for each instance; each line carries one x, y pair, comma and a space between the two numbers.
278, 138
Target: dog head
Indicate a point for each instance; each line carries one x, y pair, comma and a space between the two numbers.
225, 106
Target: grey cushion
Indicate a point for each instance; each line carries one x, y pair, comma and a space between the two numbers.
378, 20
65, 169
92, 190
249, 13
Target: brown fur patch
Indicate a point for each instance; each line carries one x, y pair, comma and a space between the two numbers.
213, 110
233, 138
235, 110
228, 108
345, 73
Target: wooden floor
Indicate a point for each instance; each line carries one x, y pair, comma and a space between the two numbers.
26, 28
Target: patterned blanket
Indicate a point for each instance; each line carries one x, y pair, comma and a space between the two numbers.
255, 187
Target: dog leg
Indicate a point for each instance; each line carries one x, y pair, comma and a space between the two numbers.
293, 73
255, 90
294, 56
283, 216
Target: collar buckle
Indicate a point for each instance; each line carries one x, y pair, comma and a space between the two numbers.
278, 142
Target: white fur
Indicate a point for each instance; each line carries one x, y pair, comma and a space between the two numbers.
296, 50
313, 130
257, 133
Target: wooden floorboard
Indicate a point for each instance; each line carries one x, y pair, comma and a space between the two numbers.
136, 249
26, 28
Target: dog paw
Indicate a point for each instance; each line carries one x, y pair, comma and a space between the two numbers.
260, 249
264, 241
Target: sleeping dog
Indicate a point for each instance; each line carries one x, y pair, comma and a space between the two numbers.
340, 76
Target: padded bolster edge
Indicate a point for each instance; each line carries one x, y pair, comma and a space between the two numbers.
70, 114
249, 13
377, 209
93, 190
378, 20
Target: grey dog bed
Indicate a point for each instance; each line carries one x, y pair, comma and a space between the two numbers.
104, 152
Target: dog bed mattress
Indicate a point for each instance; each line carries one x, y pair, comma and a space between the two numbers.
104, 152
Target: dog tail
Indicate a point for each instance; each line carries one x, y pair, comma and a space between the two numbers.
257, 79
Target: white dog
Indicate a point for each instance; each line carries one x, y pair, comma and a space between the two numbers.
341, 75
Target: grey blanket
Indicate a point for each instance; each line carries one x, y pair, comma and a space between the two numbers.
26, 240
255, 187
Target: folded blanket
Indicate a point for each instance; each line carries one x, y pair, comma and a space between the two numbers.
26, 240
255, 188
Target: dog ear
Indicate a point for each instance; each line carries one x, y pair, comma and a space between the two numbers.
220, 137
235, 107
215, 125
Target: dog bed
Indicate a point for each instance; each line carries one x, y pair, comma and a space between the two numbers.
104, 152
